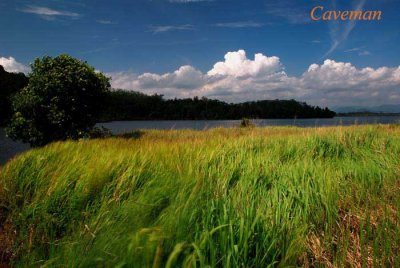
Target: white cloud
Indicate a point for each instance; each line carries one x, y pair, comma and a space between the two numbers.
360, 50
47, 13
239, 78
237, 64
186, 77
106, 22
339, 82
13, 66
353, 49
364, 53
181, 82
239, 24
168, 28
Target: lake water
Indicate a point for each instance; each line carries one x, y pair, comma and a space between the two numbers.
9, 148
119, 127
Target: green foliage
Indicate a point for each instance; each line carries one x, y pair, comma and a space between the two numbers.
10, 83
62, 101
242, 197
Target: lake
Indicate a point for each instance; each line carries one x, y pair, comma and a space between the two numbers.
9, 148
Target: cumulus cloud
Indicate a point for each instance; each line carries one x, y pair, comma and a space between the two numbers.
237, 64
179, 83
13, 66
340, 82
239, 78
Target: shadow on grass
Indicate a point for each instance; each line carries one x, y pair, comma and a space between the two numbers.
137, 134
102, 133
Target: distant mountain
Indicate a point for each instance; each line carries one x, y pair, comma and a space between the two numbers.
389, 108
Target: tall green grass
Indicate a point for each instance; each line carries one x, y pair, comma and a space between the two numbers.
259, 197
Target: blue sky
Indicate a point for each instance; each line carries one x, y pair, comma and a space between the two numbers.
129, 38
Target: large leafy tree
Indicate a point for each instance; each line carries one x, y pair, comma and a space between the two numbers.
61, 101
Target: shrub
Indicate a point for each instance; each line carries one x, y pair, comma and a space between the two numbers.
246, 123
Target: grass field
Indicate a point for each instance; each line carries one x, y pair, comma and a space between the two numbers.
257, 197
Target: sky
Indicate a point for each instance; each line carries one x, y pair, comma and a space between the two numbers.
233, 50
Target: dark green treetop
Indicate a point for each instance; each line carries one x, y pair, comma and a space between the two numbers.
61, 101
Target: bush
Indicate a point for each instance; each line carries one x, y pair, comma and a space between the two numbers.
246, 123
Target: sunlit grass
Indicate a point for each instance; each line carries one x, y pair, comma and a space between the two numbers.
253, 197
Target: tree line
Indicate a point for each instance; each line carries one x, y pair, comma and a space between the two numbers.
128, 105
